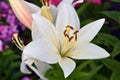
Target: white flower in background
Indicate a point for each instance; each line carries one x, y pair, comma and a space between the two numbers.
36, 65
63, 42
24, 11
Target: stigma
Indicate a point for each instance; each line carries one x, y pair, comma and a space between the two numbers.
67, 33
17, 41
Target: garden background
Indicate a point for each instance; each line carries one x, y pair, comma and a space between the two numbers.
108, 38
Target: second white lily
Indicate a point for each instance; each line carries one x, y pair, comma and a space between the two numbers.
60, 42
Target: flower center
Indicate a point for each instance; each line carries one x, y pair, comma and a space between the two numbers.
67, 33
69, 40
18, 42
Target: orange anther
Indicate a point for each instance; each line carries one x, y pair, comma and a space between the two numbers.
68, 26
71, 38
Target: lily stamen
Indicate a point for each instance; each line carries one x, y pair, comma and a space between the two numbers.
75, 33
66, 33
71, 38
44, 2
18, 42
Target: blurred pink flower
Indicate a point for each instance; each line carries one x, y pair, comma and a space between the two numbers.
26, 78
1, 46
98, 2
56, 2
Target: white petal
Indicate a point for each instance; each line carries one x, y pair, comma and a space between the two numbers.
66, 16
53, 11
88, 51
33, 8
42, 67
88, 32
67, 65
68, 1
24, 68
42, 28
76, 2
42, 50
36, 69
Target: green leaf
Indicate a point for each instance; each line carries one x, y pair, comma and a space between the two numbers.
82, 8
79, 75
116, 0
113, 14
81, 66
111, 63
115, 74
111, 40
100, 77
116, 50
95, 70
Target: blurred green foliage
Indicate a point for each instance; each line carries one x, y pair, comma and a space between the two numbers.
103, 69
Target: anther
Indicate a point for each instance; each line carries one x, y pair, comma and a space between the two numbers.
71, 38
75, 33
18, 42
44, 2
69, 27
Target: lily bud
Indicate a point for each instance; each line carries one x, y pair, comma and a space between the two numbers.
22, 12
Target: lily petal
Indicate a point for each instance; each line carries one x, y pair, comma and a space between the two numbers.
42, 50
68, 1
78, 1
53, 11
22, 12
33, 8
88, 51
36, 69
42, 28
66, 16
88, 32
24, 68
67, 65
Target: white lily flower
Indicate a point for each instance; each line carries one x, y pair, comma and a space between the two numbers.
36, 65
48, 12
60, 42
24, 10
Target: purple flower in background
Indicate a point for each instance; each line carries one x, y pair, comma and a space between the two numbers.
1, 44
9, 25
26, 78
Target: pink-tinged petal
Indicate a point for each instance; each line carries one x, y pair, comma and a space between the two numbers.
89, 31
88, 51
42, 50
22, 12
67, 65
